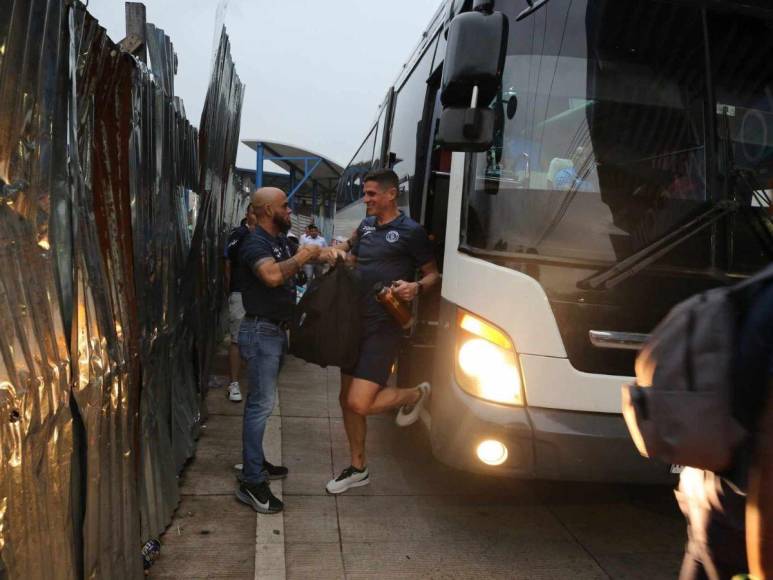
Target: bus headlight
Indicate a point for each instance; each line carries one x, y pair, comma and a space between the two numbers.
486, 366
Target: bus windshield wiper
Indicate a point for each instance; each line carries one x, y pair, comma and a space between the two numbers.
650, 253
534, 5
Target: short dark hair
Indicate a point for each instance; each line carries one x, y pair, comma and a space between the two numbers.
312, 227
386, 178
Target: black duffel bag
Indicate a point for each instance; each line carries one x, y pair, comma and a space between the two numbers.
326, 327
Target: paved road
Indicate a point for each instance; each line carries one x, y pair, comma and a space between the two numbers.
420, 519
417, 519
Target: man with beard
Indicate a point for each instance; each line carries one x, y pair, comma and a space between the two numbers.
268, 294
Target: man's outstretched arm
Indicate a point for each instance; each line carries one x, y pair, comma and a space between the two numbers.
274, 274
347, 246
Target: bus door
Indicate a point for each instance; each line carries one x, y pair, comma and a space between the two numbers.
429, 208
438, 171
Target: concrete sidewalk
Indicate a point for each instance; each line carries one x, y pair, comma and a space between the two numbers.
213, 535
417, 518
420, 519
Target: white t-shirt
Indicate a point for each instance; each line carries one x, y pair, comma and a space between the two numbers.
318, 241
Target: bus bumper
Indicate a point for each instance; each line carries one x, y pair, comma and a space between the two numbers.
541, 443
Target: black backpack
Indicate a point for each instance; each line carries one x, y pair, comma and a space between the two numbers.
326, 327
680, 410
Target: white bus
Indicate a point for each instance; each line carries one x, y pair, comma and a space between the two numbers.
629, 166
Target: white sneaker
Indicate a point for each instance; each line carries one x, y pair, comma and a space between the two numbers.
234, 393
349, 478
409, 414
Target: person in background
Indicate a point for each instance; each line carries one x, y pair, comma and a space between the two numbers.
313, 237
234, 276
300, 278
757, 343
293, 242
759, 504
729, 515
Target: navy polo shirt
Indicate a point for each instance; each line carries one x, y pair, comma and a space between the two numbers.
259, 299
387, 253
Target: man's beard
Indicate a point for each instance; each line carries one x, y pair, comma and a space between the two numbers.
282, 224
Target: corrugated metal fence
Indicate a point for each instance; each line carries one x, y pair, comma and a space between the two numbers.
109, 298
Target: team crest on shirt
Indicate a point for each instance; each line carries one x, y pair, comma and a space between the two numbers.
392, 236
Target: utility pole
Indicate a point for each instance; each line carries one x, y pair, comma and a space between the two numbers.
135, 41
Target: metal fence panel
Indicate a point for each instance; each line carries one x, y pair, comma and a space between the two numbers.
108, 301
36, 438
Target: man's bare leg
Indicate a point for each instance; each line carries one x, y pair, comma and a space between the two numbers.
392, 398
360, 398
234, 361
355, 423
367, 398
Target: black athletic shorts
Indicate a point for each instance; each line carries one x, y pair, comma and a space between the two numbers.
379, 346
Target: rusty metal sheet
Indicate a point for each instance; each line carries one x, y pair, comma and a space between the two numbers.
218, 141
36, 429
106, 379
109, 297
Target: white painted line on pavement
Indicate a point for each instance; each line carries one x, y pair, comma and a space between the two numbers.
270, 529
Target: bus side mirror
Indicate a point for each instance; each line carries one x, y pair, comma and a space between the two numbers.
472, 74
466, 129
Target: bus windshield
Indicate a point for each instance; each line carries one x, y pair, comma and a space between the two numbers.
620, 122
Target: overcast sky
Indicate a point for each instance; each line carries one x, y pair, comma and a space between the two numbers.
315, 70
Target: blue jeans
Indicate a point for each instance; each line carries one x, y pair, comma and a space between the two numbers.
263, 346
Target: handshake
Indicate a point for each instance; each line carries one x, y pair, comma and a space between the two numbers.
318, 254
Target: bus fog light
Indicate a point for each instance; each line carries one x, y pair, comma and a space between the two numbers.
492, 452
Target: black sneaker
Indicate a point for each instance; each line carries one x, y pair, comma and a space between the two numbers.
349, 478
275, 471
259, 497
272, 471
